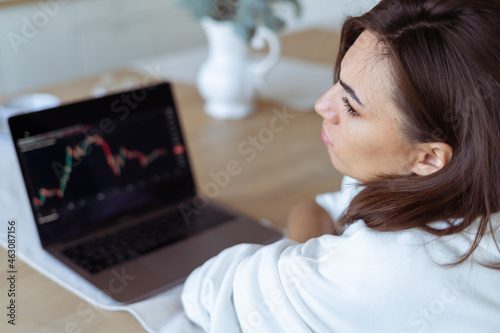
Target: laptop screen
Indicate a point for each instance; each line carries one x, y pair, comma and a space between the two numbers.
91, 164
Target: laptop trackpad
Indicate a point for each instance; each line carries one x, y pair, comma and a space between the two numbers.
178, 260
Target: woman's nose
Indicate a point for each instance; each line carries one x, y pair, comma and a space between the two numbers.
325, 108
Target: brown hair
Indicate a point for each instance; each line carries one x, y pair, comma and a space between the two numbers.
445, 57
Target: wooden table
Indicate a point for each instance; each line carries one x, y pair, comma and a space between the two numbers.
283, 162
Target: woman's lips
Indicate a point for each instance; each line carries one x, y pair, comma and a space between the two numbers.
325, 138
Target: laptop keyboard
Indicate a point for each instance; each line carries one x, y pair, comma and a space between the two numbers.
127, 244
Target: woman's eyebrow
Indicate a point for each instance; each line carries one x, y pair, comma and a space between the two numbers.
351, 92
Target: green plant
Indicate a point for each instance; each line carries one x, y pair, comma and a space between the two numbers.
247, 15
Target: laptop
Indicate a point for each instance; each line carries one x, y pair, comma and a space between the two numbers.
113, 196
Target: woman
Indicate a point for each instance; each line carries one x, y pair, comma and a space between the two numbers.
413, 122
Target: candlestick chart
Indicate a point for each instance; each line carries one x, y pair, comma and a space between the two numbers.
116, 162
83, 169
92, 168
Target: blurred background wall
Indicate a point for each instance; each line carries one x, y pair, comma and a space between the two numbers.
51, 41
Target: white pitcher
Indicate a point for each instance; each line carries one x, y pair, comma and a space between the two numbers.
228, 78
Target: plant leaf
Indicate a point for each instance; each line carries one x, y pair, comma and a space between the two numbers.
246, 14
273, 22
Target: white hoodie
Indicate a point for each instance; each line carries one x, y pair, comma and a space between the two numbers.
362, 281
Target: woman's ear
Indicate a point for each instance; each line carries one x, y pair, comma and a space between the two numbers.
432, 157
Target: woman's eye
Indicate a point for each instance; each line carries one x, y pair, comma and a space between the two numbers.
349, 109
